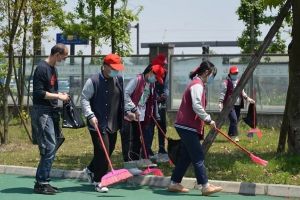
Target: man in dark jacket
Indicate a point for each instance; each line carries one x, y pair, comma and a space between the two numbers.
45, 116
102, 102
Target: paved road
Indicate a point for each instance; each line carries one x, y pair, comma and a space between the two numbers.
15, 187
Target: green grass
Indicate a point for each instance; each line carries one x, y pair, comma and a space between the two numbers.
224, 161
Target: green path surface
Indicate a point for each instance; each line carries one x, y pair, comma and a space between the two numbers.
14, 187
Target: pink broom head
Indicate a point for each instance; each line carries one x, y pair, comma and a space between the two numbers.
115, 176
154, 171
257, 131
258, 160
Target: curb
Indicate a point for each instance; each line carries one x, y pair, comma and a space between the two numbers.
228, 186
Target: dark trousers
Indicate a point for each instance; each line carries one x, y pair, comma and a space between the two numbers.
234, 116
130, 138
148, 132
190, 152
163, 125
45, 133
99, 163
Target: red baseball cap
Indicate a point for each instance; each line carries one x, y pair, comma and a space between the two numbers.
233, 69
160, 59
114, 61
159, 72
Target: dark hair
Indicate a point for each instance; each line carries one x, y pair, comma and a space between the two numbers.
205, 65
58, 48
147, 69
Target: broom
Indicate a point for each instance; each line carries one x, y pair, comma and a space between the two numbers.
255, 129
254, 158
154, 171
172, 159
114, 176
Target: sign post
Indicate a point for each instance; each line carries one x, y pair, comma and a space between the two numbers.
71, 40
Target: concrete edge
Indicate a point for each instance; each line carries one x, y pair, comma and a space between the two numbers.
228, 186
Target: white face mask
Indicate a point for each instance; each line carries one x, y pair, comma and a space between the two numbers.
61, 63
210, 79
152, 79
233, 77
113, 73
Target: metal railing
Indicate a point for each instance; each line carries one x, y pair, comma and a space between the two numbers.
269, 85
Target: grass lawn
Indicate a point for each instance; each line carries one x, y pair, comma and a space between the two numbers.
224, 161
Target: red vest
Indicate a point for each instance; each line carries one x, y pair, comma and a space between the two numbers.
136, 96
186, 115
229, 92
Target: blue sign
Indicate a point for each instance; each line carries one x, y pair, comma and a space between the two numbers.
70, 39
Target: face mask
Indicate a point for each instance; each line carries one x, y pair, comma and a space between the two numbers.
233, 77
61, 63
113, 73
151, 79
210, 79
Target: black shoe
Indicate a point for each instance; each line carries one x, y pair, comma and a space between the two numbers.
55, 188
44, 189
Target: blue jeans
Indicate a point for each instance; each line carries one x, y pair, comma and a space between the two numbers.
234, 116
190, 152
46, 130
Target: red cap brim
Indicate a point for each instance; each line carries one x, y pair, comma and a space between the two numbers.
118, 67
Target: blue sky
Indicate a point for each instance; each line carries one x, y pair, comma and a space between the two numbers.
180, 21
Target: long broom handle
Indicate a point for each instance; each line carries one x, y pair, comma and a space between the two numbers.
142, 139
158, 126
231, 140
104, 148
254, 116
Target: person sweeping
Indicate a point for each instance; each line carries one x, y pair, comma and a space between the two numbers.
102, 102
189, 124
228, 86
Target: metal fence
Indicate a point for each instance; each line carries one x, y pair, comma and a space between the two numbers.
268, 86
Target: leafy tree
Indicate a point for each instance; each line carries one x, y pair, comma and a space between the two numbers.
253, 14
283, 13
45, 14
10, 14
100, 21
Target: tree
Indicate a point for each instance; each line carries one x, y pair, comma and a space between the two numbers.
101, 21
290, 128
45, 13
253, 14
284, 11
11, 11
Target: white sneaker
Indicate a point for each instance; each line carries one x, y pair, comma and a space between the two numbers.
236, 139
135, 171
89, 175
98, 188
162, 158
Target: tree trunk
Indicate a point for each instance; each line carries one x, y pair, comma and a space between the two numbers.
13, 26
209, 139
23, 64
6, 92
112, 15
93, 39
293, 101
37, 29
